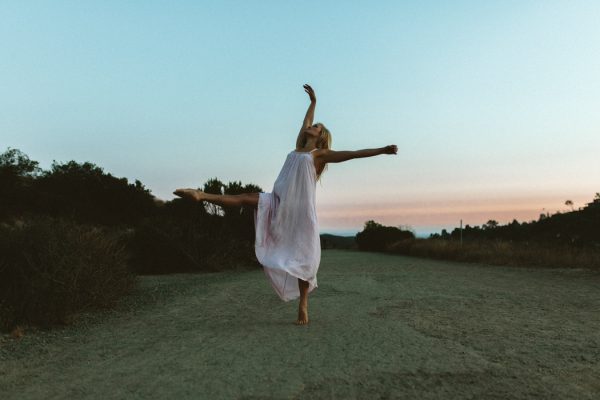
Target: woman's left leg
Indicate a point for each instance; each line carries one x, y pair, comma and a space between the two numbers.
303, 306
225, 200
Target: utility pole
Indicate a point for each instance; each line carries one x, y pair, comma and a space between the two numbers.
461, 233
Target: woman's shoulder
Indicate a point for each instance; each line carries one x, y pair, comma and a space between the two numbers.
314, 151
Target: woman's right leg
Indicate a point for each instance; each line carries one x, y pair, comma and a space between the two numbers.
224, 200
303, 305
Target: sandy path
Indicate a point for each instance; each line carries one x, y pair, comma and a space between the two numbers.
382, 326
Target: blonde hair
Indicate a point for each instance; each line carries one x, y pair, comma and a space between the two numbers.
324, 142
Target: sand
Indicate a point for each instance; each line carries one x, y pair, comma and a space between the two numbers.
381, 327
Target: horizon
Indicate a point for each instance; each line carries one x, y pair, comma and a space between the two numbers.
355, 213
492, 106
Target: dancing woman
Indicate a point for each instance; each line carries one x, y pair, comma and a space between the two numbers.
287, 233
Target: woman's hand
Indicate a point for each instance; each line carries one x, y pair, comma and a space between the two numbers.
391, 149
311, 93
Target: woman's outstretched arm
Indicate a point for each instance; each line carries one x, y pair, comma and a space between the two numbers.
331, 156
310, 113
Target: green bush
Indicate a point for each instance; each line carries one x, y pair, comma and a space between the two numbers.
183, 237
51, 269
376, 237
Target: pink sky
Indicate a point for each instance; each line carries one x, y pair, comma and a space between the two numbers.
426, 216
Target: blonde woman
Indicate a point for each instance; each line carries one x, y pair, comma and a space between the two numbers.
287, 233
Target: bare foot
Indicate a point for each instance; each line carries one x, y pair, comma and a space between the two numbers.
191, 194
302, 315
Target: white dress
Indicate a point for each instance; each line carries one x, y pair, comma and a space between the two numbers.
287, 232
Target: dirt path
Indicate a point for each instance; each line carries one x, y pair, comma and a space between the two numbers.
382, 326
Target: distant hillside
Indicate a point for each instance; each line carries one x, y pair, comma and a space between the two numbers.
329, 241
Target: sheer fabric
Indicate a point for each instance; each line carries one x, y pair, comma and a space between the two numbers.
287, 233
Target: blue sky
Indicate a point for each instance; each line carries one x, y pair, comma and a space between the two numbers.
493, 105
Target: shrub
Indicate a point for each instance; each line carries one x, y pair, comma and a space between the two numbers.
183, 237
498, 252
51, 269
85, 192
17, 175
376, 237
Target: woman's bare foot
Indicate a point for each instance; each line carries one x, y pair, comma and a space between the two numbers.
302, 314
192, 194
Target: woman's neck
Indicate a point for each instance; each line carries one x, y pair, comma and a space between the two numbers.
311, 143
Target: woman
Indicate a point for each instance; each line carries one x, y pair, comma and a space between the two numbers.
287, 233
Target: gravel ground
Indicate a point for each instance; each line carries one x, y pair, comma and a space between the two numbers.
381, 327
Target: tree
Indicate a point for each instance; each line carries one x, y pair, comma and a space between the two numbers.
491, 224
188, 235
88, 194
214, 186
372, 225
17, 176
376, 237
14, 162
569, 203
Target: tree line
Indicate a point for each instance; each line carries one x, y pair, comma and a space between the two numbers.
578, 228
74, 237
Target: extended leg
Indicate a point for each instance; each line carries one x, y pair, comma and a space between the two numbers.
225, 200
303, 306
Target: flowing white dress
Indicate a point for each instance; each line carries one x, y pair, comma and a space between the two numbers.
287, 232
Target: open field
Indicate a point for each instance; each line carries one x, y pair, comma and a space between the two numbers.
381, 326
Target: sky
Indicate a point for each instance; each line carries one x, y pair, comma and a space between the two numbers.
493, 105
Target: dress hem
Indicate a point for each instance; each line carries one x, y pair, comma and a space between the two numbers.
311, 287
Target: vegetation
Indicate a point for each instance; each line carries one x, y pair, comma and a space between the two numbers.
51, 269
376, 237
73, 237
568, 240
329, 241
186, 236
577, 228
498, 252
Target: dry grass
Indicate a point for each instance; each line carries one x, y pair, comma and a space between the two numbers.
500, 253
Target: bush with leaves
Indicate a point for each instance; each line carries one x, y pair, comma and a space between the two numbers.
85, 192
191, 236
17, 177
51, 269
376, 237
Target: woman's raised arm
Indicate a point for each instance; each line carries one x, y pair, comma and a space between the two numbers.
310, 113
331, 156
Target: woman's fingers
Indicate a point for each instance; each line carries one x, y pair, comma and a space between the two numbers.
310, 91
391, 149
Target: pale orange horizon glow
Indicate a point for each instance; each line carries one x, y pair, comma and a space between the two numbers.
441, 213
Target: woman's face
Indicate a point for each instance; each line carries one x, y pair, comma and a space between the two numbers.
314, 130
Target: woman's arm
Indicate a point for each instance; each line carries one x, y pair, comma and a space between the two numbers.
310, 113
330, 156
